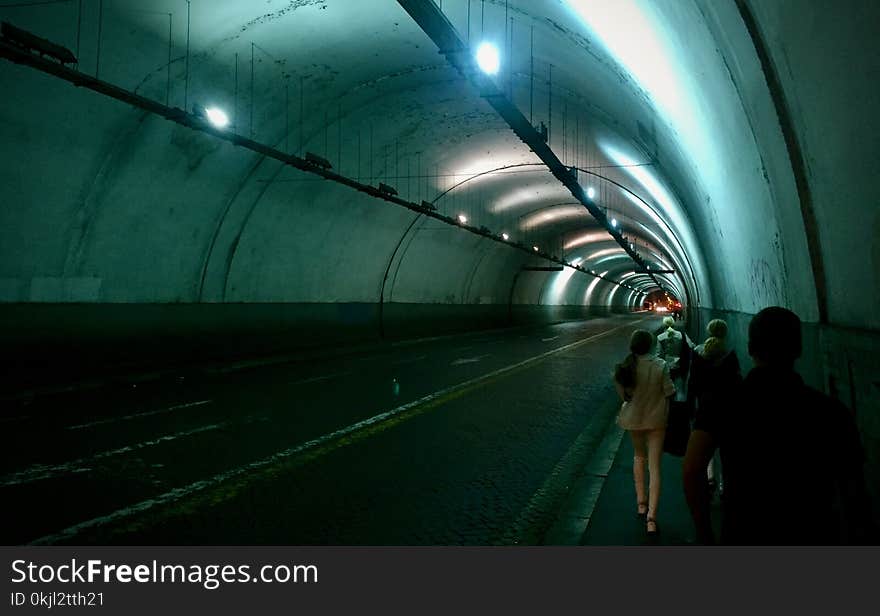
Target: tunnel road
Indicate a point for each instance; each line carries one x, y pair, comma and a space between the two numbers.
471, 439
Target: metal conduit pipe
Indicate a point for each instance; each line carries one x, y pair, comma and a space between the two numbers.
440, 30
175, 114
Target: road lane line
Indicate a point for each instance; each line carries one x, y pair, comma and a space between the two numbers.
11, 419
80, 465
410, 360
549, 339
176, 407
331, 441
468, 360
317, 379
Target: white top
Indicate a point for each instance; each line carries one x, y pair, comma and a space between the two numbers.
648, 407
669, 345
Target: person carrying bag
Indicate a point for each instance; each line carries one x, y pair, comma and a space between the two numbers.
674, 349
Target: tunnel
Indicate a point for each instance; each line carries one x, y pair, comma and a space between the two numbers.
359, 271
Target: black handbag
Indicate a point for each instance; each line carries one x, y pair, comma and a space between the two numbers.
678, 428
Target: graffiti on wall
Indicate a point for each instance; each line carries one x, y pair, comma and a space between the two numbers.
764, 284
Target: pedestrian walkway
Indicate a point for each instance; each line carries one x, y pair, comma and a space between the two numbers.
614, 520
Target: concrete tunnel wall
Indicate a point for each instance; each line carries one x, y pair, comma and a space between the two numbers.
118, 226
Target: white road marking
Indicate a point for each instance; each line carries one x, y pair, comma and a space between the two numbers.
410, 360
44, 471
176, 407
197, 486
316, 379
549, 339
11, 419
468, 360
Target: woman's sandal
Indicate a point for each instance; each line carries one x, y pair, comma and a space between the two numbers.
651, 526
642, 510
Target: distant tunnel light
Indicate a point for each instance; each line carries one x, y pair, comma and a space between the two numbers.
217, 117
591, 192
462, 218
488, 59
535, 248
613, 222
505, 237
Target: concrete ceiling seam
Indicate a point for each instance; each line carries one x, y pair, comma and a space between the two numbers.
217, 228
480, 174
683, 256
388, 269
796, 156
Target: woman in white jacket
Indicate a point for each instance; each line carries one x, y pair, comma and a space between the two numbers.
643, 382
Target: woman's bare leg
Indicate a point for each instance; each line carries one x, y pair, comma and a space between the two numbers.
639, 442
655, 454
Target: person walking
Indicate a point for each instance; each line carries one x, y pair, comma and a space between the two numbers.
674, 348
643, 383
714, 374
792, 456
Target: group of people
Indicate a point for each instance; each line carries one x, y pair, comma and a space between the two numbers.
790, 457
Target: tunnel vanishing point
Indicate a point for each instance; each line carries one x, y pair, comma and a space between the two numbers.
213, 181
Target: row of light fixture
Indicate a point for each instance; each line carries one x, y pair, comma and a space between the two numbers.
489, 62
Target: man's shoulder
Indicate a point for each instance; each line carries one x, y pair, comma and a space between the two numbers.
818, 401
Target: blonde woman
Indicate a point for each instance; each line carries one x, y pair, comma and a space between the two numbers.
715, 375
642, 381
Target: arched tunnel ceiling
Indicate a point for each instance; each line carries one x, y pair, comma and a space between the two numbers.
661, 105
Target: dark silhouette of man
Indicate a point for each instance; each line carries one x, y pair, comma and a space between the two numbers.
791, 455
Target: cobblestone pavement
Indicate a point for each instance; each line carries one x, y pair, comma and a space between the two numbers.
462, 440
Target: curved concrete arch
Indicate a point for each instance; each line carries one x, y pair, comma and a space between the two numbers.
697, 143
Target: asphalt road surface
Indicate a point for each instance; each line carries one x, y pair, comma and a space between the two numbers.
472, 439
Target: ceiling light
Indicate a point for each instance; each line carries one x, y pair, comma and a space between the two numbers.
535, 248
462, 218
505, 237
613, 222
217, 117
591, 192
488, 59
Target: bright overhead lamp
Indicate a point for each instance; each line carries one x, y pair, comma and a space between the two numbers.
613, 222
462, 218
535, 248
488, 59
505, 237
591, 192
217, 117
